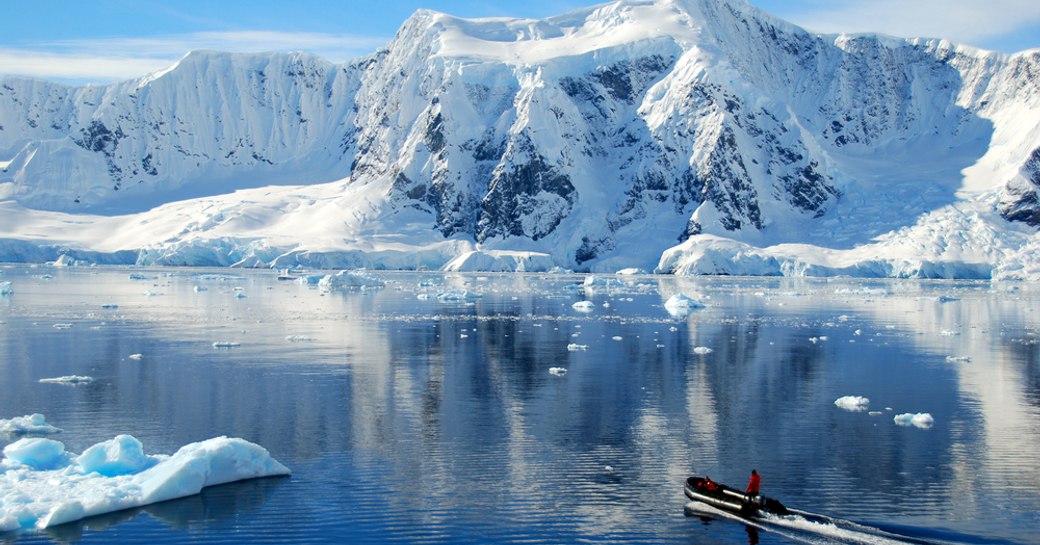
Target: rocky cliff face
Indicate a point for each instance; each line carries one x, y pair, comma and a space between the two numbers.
628, 125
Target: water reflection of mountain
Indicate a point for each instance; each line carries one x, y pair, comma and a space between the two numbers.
436, 404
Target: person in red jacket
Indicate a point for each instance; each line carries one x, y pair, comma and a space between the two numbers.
754, 484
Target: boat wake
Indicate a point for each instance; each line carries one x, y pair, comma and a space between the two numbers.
805, 527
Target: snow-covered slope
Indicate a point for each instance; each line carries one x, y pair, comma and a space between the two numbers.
694, 136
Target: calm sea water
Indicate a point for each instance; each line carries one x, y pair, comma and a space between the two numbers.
410, 420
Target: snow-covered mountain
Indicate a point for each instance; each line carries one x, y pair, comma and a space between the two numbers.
690, 136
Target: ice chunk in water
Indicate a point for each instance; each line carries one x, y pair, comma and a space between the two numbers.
5, 288
70, 379
583, 306
120, 456
680, 305
855, 404
36, 453
457, 296
345, 280
43, 486
919, 420
34, 423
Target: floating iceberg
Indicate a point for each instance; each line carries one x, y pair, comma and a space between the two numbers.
600, 284
557, 371
583, 306
574, 347
5, 288
70, 379
34, 423
919, 420
702, 350
226, 344
42, 485
457, 296
681, 305
309, 279
856, 404
347, 280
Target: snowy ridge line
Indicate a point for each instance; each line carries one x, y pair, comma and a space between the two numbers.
679, 136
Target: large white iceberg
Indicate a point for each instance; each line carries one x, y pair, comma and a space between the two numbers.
42, 485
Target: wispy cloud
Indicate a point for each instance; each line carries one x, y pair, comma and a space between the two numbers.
967, 21
112, 59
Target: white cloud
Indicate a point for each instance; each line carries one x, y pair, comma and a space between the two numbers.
113, 59
966, 21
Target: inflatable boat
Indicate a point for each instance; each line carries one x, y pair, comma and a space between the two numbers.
729, 499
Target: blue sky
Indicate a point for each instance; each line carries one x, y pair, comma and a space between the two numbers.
107, 40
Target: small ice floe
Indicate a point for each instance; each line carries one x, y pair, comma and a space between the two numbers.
226, 344
135, 356
681, 305
299, 338
958, 359
583, 306
199, 288
71, 380
856, 404
5, 288
33, 423
861, 291
150, 293
599, 284
918, 420
558, 371
240, 295
948, 333
42, 485
573, 347
62, 326
617, 337
349, 280
630, 271
702, 350
947, 299
457, 296
139, 276
109, 306
309, 279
